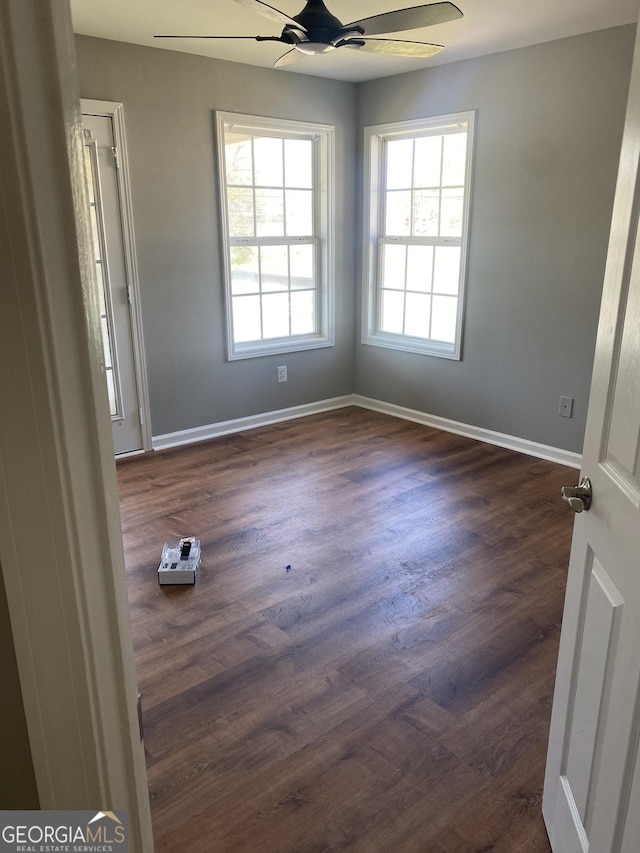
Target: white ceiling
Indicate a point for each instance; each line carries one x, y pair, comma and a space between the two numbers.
488, 26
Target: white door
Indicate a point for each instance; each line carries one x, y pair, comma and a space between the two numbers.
114, 288
592, 788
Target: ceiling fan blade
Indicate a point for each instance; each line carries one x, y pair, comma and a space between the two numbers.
271, 13
288, 58
413, 18
253, 38
396, 47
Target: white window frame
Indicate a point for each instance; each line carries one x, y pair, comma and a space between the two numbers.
376, 137
323, 136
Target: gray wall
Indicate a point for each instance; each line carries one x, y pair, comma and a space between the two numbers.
549, 127
169, 100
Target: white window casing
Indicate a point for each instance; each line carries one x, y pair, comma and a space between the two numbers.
277, 233
417, 180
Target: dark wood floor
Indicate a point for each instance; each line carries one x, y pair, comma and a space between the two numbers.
391, 693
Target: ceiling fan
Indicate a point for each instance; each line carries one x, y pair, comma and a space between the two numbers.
315, 30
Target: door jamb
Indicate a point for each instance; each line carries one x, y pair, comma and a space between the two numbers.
60, 537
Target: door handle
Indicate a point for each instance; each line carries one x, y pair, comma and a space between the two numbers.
578, 497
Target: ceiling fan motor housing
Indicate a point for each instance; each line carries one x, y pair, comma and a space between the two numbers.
322, 29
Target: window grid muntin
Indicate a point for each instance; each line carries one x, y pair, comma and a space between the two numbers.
261, 290
406, 291
283, 187
259, 241
463, 126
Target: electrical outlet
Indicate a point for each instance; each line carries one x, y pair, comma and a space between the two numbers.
282, 373
566, 407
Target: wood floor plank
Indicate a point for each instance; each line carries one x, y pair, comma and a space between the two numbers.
392, 691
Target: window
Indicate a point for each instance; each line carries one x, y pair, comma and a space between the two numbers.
102, 275
416, 213
276, 179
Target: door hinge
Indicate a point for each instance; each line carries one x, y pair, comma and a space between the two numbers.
141, 416
129, 296
114, 151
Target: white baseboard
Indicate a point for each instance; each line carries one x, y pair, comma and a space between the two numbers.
512, 442
191, 436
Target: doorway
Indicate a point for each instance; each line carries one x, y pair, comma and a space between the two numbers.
116, 276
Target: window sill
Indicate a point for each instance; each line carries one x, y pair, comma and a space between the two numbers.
413, 345
253, 350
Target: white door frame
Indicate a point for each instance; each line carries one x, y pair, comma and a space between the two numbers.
115, 111
60, 538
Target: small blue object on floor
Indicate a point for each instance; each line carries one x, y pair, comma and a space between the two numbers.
287, 568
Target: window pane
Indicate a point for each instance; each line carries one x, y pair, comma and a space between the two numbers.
111, 391
303, 320
451, 217
106, 343
240, 212
274, 268
237, 155
392, 312
393, 266
88, 172
398, 214
427, 167
299, 213
269, 213
399, 164
417, 316
275, 315
101, 290
298, 163
267, 155
246, 318
446, 270
454, 159
97, 229
425, 213
94, 231
419, 267
443, 318
244, 270
301, 267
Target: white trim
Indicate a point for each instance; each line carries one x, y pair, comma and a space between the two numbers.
511, 442
324, 232
279, 346
115, 111
131, 453
191, 436
60, 538
374, 182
